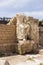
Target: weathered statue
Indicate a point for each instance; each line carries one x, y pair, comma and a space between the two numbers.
27, 34
23, 28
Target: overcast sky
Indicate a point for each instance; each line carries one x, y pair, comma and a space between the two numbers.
9, 8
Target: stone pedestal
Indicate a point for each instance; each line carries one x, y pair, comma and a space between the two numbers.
25, 46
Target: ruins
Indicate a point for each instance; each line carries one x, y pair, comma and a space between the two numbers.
27, 33
21, 34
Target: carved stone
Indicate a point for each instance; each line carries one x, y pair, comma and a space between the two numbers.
27, 29
23, 29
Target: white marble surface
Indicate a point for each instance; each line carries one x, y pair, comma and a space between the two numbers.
24, 59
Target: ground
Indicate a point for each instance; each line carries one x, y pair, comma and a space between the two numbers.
26, 59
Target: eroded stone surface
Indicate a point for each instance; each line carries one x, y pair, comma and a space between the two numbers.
27, 29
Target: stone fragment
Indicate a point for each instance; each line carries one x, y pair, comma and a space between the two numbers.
12, 21
4, 62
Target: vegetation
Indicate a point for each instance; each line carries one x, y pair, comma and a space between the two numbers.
30, 59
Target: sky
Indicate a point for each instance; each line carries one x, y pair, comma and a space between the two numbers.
9, 8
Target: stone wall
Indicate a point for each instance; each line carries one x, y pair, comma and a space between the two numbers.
7, 38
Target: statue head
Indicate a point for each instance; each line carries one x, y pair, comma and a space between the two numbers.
20, 18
